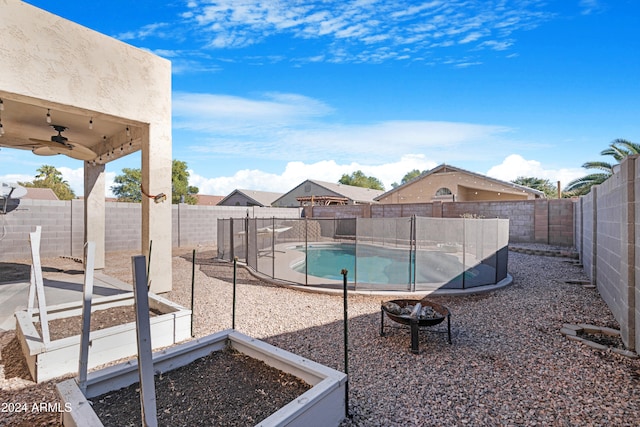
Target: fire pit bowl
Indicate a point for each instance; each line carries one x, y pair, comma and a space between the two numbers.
416, 314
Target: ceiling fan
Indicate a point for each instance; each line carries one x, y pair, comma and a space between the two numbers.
60, 144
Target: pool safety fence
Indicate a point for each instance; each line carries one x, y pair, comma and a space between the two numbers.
380, 254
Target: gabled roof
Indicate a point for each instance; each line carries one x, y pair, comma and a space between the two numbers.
260, 198
357, 194
448, 168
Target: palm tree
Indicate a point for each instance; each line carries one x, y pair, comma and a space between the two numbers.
619, 149
50, 177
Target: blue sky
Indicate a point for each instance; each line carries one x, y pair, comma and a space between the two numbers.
269, 93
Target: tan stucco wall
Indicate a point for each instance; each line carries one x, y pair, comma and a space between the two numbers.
50, 61
465, 187
50, 58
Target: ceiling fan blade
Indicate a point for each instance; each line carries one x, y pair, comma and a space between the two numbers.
44, 151
50, 143
81, 153
19, 146
72, 150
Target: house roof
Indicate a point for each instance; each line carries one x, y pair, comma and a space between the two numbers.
208, 200
261, 198
40, 194
357, 194
448, 168
351, 192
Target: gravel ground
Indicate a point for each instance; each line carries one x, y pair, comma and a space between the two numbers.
508, 364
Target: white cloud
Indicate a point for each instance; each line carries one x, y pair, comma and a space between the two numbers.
591, 6
289, 127
13, 178
201, 111
356, 25
514, 166
75, 178
367, 142
149, 30
296, 172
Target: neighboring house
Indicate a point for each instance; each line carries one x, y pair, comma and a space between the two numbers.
448, 183
40, 194
326, 193
207, 200
249, 198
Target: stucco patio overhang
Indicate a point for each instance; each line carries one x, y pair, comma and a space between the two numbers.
53, 66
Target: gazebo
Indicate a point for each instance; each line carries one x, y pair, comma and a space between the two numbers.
68, 90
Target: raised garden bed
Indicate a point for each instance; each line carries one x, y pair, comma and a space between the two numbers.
170, 323
321, 405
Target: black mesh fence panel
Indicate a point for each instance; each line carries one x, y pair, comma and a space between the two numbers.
439, 253
380, 254
383, 256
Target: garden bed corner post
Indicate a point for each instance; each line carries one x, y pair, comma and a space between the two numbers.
143, 334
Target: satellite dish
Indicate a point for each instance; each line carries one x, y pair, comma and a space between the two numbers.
12, 190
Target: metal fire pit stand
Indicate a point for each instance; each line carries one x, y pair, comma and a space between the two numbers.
415, 324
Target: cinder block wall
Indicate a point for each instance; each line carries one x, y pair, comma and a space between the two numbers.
636, 253
542, 221
197, 225
22, 219
610, 236
123, 222
63, 226
609, 231
560, 221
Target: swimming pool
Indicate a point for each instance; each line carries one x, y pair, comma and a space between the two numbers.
380, 254
377, 265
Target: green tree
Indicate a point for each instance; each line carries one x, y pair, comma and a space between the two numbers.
408, 177
127, 185
618, 149
540, 184
50, 177
359, 179
180, 184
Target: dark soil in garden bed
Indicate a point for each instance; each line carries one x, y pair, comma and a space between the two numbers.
226, 388
100, 319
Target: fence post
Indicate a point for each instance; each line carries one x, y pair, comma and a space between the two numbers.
413, 253
306, 247
346, 342
355, 257
246, 238
594, 238
231, 243
464, 257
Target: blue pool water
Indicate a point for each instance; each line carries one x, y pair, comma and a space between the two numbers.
375, 265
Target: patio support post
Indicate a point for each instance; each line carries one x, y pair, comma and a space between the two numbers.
94, 210
156, 214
